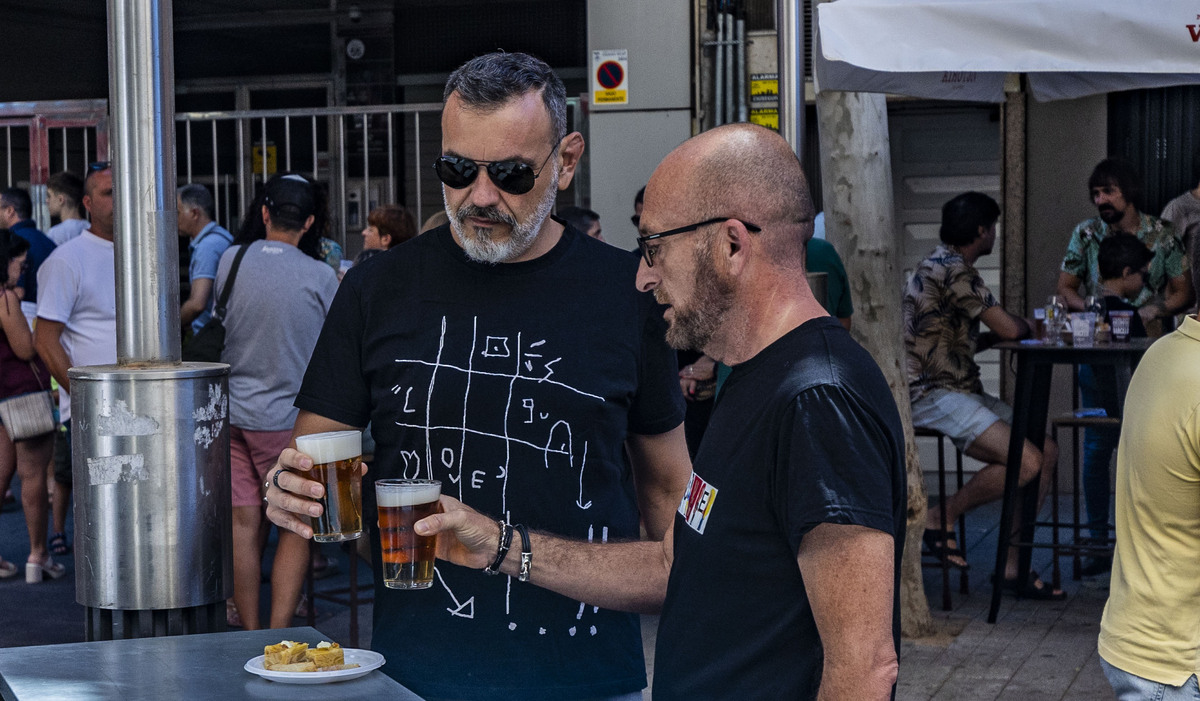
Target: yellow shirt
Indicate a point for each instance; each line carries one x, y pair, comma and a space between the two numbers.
1151, 623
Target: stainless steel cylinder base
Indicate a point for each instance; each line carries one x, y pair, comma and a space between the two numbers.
106, 624
150, 457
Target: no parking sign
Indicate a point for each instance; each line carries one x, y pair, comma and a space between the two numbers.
610, 77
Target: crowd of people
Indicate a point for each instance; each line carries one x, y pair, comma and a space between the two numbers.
788, 584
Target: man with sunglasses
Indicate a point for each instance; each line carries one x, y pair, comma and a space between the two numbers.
512, 358
781, 569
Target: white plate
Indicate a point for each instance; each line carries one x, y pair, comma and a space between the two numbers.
367, 660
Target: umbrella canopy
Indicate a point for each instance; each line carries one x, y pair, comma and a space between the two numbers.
964, 49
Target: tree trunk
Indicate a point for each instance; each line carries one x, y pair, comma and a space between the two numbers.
856, 172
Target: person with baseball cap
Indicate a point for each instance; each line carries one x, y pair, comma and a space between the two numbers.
280, 295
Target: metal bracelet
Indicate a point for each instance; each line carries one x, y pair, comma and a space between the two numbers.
506, 534
526, 554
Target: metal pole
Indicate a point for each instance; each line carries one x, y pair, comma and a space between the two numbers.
742, 113
730, 53
141, 84
789, 24
417, 164
719, 72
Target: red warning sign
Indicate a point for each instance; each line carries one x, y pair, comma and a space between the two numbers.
610, 75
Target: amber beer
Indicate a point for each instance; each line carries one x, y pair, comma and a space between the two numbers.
337, 464
407, 557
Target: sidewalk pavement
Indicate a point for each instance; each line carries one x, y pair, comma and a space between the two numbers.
1035, 651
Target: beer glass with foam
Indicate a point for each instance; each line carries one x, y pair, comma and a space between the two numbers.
407, 557
337, 464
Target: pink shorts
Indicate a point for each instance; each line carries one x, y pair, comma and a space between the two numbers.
251, 455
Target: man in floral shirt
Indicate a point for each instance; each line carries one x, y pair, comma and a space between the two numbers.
944, 303
1116, 190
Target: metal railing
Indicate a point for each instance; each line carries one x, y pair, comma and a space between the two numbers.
366, 155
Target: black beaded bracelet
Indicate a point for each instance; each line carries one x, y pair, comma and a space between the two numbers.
526, 553
506, 534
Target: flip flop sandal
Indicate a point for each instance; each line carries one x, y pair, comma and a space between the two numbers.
935, 540
1029, 589
59, 545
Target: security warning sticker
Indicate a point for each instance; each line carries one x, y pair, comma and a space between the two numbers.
697, 503
762, 84
610, 77
765, 117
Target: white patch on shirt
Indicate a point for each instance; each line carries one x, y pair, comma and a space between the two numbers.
697, 503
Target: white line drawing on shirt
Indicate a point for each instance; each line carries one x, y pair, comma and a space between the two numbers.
458, 610
497, 363
591, 538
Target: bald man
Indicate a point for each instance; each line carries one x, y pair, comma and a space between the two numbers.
779, 574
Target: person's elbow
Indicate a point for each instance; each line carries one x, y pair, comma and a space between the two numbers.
188, 312
885, 672
871, 676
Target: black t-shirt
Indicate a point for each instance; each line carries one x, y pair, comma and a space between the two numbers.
804, 433
516, 385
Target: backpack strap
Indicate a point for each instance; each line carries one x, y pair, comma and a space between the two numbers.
223, 298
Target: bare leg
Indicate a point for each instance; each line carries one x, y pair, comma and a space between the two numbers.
991, 448
32, 457
247, 563
287, 577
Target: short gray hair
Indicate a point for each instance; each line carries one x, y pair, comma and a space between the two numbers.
492, 80
196, 195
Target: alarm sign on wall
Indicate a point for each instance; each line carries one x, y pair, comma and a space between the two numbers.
610, 79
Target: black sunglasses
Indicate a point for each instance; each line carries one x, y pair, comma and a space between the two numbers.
648, 252
513, 177
98, 166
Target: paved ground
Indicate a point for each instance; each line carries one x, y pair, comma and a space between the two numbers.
1035, 651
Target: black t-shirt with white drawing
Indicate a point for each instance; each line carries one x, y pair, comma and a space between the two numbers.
515, 385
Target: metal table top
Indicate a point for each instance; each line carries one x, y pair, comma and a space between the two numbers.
206, 666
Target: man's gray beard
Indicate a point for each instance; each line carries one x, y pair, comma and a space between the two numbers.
478, 243
712, 298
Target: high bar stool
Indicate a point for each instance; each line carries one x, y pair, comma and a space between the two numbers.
1078, 546
346, 596
927, 559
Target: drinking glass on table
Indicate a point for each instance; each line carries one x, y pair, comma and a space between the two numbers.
1056, 314
337, 464
407, 557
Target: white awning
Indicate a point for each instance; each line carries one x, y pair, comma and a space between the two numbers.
964, 49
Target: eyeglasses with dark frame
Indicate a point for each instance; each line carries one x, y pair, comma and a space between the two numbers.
649, 252
513, 177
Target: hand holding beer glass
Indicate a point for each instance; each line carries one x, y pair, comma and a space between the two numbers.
337, 464
407, 557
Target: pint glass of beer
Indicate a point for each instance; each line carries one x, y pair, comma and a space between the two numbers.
337, 464
407, 557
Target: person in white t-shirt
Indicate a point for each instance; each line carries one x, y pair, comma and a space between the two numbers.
77, 312
64, 198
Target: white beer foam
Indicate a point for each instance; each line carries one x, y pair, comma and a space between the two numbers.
331, 446
392, 497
